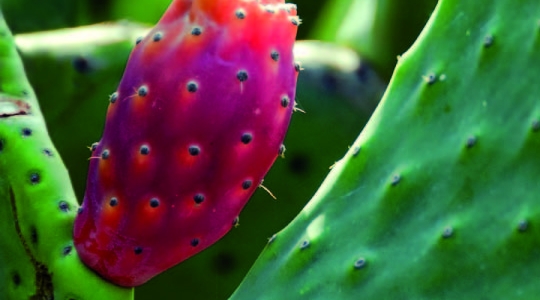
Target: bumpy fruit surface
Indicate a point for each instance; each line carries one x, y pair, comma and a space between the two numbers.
196, 122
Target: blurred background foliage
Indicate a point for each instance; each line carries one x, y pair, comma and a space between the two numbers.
29, 16
341, 85
379, 29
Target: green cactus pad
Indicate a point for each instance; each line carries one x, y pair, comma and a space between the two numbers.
38, 205
438, 197
16, 264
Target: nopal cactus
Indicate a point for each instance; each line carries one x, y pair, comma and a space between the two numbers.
411, 211
37, 203
336, 87
437, 198
196, 122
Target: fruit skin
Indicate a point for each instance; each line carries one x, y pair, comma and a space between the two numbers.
198, 119
438, 197
37, 202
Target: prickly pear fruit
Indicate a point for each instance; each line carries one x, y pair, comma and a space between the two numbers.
198, 119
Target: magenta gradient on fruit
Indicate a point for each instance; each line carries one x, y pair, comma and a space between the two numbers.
195, 124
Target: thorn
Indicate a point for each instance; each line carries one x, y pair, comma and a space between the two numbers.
242, 76
135, 94
281, 152
241, 88
295, 109
91, 157
298, 66
295, 20
267, 190
333, 165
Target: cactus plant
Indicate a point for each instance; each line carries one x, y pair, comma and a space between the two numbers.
424, 190
336, 87
437, 197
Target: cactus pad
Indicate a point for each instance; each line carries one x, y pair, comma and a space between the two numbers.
438, 196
